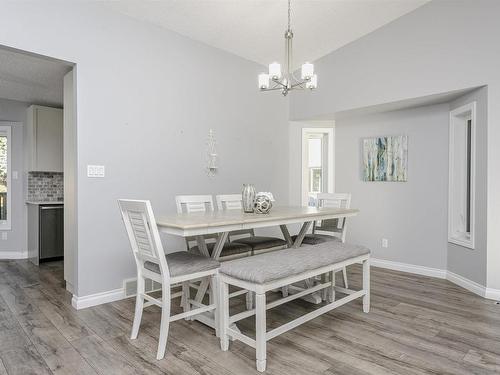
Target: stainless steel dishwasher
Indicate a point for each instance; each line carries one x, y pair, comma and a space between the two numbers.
51, 232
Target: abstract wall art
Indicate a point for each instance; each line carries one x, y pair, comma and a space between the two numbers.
385, 158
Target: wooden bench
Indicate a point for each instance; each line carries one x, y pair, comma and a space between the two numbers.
269, 271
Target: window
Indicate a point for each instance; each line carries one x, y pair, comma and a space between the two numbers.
462, 176
5, 135
317, 163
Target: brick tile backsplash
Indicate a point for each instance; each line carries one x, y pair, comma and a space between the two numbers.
45, 186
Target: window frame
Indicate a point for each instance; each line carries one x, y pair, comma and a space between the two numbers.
457, 205
7, 130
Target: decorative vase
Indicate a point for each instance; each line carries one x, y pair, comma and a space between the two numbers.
248, 197
263, 204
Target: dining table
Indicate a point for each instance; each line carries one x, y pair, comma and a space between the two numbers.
221, 223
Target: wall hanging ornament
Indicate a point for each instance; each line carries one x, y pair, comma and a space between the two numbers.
211, 154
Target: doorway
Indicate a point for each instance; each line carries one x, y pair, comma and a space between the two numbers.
37, 153
317, 163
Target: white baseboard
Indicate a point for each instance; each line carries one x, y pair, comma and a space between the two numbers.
7, 255
459, 280
465, 283
97, 299
492, 294
410, 268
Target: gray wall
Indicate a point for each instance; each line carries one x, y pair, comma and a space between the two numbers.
440, 47
16, 238
412, 215
461, 260
146, 98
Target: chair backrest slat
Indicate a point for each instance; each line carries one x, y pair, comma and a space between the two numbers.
194, 203
233, 202
335, 227
143, 234
229, 202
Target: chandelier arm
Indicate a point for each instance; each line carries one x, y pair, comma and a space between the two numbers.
279, 83
272, 89
299, 84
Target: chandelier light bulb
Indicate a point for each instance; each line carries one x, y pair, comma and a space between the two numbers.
307, 71
275, 70
263, 81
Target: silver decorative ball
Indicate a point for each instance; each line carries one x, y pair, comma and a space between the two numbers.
262, 204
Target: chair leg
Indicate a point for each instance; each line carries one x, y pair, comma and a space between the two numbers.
284, 291
324, 292
224, 314
344, 275
260, 331
331, 295
139, 306
214, 290
186, 295
165, 321
249, 300
366, 285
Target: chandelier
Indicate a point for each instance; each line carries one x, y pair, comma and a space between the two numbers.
286, 81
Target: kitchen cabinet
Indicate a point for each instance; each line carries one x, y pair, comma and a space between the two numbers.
44, 139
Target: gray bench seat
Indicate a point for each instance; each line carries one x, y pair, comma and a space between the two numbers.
264, 268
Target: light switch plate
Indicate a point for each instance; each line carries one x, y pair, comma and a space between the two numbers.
15, 175
95, 171
4, 236
385, 242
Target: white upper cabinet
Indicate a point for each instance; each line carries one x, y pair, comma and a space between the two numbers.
45, 139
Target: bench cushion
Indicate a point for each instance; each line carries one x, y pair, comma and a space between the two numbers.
315, 239
184, 263
261, 242
229, 248
276, 265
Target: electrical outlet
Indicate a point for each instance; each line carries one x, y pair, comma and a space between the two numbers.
4, 236
95, 171
385, 242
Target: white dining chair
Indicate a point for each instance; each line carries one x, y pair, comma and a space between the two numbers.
330, 229
259, 244
174, 268
230, 250
205, 203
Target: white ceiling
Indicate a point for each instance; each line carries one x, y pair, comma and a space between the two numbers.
31, 79
254, 29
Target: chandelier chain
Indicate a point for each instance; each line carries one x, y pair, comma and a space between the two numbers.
289, 13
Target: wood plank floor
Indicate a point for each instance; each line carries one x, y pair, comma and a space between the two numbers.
417, 325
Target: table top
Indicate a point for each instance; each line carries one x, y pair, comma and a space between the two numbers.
222, 221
